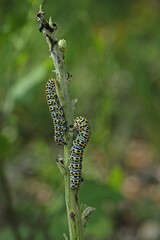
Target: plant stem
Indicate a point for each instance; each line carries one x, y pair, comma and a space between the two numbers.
71, 196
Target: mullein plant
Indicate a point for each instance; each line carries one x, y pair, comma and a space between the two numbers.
71, 133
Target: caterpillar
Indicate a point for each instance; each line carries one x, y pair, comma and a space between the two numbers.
76, 153
56, 112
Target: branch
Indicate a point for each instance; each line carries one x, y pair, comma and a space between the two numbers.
57, 50
77, 217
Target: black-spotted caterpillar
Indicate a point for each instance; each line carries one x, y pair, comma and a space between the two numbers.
76, 154
56, 111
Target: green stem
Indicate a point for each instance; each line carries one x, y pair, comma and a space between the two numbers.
71, 196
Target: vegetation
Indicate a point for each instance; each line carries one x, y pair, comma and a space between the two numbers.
113, 54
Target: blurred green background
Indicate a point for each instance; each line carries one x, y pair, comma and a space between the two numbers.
113, 53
